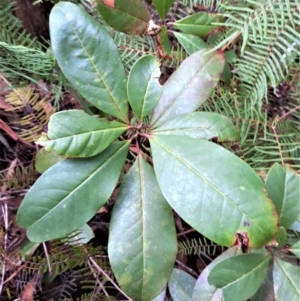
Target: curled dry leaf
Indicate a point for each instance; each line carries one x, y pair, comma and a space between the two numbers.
28, 292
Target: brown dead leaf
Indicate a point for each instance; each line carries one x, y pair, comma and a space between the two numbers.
6, 128
110, 3
28, 292
4, 105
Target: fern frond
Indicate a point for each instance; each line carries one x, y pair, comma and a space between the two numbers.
17, 61
11, 28
133, 47
19, 178
34, 112
270, 41
199, 246
264, 139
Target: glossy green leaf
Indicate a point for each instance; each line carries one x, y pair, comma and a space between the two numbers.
164, 40
203, 291
181, 285
283, 186
266, 291
89, 58
131, 17
143, 86
74, 134
162, 7
189, 86
69, 193
142, 239
295, 248
281, 237
27, 248
240, 276
44, 160
286, 281
214, 191
199, 24
190, 42
201, 125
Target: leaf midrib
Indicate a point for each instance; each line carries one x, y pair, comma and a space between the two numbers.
95, 68
81, 184
209, 183
185, 87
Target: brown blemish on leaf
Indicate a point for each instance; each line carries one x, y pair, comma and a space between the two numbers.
110, 3
246, 224
242, 241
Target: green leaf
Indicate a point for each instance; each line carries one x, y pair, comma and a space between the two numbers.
143, 86
164, 40
266, 291
69, 193
89, 58
283, 186
295, 248
162, 7
181, 285
131, 17
190, 42
286, 281
199, 24
213, 190
203, 291
281, 237
240, 276
44, 160
201, 125
142, 239
189, 86
74, 133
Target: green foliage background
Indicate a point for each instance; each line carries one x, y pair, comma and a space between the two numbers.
262, 98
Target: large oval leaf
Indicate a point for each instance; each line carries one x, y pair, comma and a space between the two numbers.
203, 291
213, 190
240, 276
131, 17
283, 186
286, 281
189, 86
201, 125
142, 239
89, 58
181, 285
75, 134
143, 87
69, 193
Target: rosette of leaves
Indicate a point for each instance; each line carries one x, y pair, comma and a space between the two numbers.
175, 165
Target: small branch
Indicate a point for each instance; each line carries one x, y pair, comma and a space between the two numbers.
47, 257
91, 265
191, 271
109, 278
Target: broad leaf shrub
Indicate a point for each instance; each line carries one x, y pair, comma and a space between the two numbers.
175, 167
